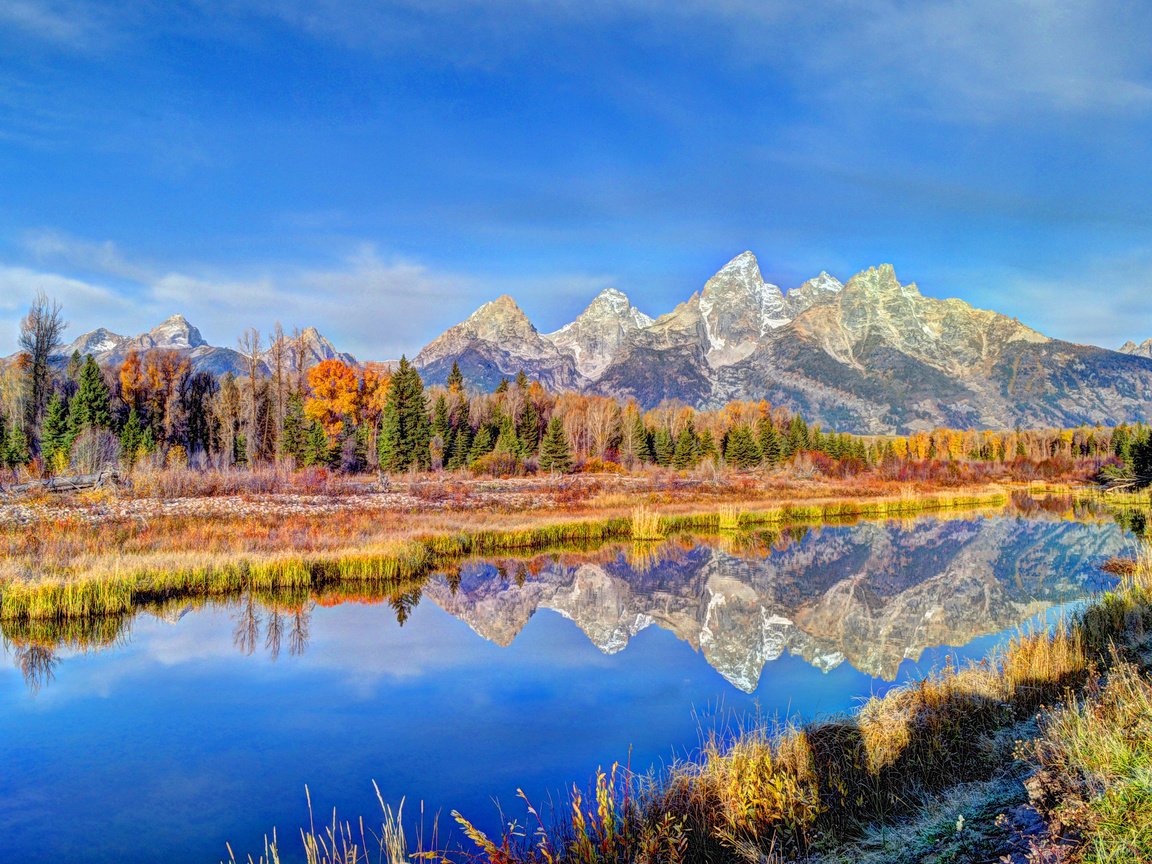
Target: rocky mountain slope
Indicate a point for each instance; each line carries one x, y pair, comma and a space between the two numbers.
869, 355
872, 595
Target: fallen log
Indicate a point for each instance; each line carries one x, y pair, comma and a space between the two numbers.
77, 483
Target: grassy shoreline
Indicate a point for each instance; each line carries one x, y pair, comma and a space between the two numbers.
1041, 754
115, 583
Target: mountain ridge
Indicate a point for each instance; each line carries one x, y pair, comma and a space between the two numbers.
869, 355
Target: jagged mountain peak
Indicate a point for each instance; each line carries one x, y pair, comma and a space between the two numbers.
597, 334
738, 307
173, 332
313, 346
612, 303
1144, 349
497, 341
497, 317
96, 342
818, 289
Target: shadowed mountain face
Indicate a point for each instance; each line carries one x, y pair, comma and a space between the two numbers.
869, 355
872, 594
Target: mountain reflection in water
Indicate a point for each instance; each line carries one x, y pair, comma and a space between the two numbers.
871, 594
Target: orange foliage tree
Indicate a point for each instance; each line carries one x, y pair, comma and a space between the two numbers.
132, 383
333, 395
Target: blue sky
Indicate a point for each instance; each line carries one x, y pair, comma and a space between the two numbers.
380, 169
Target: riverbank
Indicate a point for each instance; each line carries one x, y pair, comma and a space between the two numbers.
1041, 754
69, 568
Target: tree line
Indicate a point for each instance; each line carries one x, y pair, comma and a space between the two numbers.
154, 408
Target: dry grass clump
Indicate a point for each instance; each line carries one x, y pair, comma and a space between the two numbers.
646, 525
1094, 782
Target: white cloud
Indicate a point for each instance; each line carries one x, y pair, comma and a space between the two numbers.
374, 306
1104, 301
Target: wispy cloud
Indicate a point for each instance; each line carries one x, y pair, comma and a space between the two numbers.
373, 305
72, 25
981, 58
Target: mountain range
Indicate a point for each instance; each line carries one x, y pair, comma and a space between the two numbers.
870, 355
179, 335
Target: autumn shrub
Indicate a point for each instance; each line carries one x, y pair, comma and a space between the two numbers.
596, 465
498, 464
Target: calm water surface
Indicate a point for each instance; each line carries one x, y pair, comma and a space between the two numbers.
199, 726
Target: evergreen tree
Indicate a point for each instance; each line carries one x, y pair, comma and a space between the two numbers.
482, 443
201, 427
685, 454
17, 452
91, 407
406, 431
506, 440
55, 440
769, 440
440, 424
555, 454
1121, 444
638, 441
502, 387
741, 450
708, 445
461, 444
131, 439
75, 364
522, 380
528, 428
317, 448
455, 379
294, 435
797, 435
663, 447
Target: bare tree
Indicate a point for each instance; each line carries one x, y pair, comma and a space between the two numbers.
40, 338
299, 358
250, 348
246, 633
278, 357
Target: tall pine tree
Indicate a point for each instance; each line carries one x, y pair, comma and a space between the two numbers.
55, 439
741, 450
91, 407
555, 454
405, 431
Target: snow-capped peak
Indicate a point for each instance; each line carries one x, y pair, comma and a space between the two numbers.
738, 307
596, 335
174, 332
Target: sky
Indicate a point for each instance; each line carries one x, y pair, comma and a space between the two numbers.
379, 170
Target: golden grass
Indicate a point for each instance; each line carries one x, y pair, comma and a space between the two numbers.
73, 569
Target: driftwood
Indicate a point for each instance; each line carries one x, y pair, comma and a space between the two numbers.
107, 477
